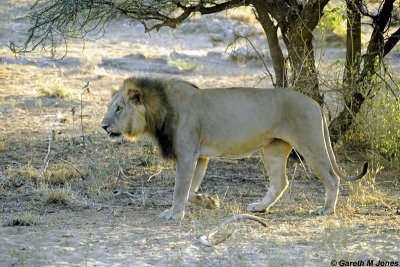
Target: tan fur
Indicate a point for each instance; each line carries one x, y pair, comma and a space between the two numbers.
193, 125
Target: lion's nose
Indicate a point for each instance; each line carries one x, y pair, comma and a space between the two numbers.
105, 127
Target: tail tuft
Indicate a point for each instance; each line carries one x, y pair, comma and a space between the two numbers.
365, 169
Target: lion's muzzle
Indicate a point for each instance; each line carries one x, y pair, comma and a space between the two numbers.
112, 136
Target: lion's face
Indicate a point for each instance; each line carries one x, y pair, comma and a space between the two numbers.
125, 115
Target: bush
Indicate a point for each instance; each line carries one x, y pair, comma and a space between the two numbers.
56, 89
378, 126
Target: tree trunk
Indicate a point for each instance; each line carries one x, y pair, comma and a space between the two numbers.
353, 43
302, 61
353, 99
296, 20
278, 60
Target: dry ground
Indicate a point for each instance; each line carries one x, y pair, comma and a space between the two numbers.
97, 204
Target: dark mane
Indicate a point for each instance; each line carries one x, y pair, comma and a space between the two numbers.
160, 115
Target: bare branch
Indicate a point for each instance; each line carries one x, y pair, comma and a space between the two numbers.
238, 37
56, 22
200, 8
391, 42
376, 46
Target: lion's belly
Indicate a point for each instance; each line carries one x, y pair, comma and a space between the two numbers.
212, 152
230, 148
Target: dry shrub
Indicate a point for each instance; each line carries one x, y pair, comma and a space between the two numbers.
56, 195
377, 128
243, 14
56, 89
364, 192
24, 219
58, 174
26, 171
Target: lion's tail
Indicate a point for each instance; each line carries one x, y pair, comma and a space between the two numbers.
333, 158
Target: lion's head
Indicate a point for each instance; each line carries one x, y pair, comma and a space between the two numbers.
126, 113
140, 107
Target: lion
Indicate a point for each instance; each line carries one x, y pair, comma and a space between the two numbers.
192, 125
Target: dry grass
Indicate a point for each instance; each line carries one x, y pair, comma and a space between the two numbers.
56, 89
55, 195
24, 219
2, 146
243, 14
183, 64
58, 174
27, 172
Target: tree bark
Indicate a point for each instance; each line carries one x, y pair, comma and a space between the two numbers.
353, 99
377, 41
302, 61
353, 43
278, 60
297, 20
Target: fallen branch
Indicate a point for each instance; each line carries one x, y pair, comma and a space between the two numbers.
154, 175
205, 239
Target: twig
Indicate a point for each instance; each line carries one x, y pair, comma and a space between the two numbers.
125, 192
154, 175
219, 177
121, 171
50, 138
238, 37
302, 164
227, 178
204, 240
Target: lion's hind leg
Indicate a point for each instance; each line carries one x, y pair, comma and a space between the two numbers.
322, 169
275, 157
318, 160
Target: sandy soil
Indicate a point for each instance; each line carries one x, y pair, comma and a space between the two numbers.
106, 198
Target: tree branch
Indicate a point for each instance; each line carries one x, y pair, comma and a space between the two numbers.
376, 44
188, 10
391, 42
308, 16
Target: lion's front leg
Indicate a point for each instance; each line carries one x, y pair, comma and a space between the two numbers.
184, 173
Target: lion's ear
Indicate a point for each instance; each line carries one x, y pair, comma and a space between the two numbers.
114, 91
133, 94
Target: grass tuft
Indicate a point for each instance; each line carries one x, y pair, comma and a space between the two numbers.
55, 89
58, 174
25, 219
183, 64
56, 195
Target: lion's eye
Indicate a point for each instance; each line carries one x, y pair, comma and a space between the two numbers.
119, 108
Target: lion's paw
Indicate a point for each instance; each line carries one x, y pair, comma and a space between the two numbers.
256, 207
169, 215
322, 212
205, 201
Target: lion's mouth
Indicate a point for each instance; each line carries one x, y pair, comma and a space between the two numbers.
114, 136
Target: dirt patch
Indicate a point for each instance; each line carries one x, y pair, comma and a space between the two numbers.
97, 204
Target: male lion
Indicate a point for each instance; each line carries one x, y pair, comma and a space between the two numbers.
193, 125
